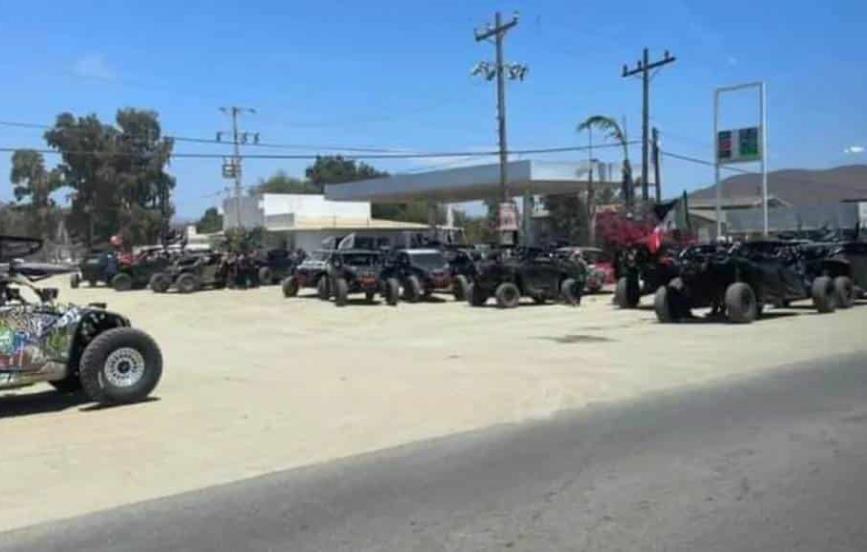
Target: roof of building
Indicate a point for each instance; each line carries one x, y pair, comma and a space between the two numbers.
331, 223
738, 202
468, 183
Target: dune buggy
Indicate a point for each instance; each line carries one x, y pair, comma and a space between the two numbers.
360, 271
422, 272
843, 261
309, 274
510, 275
99, 267
192, 273
135, 272
738, 281
68, 346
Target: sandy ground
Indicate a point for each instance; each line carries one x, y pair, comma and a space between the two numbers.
254, 383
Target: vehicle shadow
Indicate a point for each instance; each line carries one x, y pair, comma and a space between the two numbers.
43, 402
716, 319
95, 406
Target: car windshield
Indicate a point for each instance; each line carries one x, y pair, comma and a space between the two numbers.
319, 256
429, 261
359, 259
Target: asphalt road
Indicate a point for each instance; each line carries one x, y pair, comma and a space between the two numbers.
773, 463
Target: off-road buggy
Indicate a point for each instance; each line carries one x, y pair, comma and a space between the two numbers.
135, 272
509, 275
192, 273
422, 272
309, 274
360, 271
600, 270
641, 269
274, 266
738, 281
68, 346
99, 267
845, 262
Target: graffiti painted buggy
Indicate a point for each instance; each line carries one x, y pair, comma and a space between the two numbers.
68, 346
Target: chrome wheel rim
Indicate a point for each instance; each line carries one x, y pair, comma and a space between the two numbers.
124, 367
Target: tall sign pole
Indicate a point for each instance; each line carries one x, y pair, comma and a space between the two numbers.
500, 70
644, 67
744, 145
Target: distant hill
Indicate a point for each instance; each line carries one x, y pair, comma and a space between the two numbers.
797, 186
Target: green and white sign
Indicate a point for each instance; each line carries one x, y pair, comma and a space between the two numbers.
739, 146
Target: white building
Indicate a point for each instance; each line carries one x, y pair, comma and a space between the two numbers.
306, 220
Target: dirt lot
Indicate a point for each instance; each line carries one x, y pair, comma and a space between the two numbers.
255, 383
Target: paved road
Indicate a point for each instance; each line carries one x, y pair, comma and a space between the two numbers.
777, 463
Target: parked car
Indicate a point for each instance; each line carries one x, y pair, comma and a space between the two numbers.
738, 281
422, 272
70, 347
309, 274
353, 271
192, 273
511, 275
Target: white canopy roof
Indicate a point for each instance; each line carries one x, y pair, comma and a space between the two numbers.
472, 183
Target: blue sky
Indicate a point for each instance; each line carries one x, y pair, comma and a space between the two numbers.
395, 74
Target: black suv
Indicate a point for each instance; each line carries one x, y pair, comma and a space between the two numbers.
421, 272
360, 271
508, 275
738, 281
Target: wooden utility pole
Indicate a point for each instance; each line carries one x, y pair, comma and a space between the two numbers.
656, 179
232, 169
644, 66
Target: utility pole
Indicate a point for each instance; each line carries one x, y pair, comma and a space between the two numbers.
500, 70
644, 66
656, 181
232, 168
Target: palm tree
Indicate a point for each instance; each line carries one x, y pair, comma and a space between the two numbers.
613, 131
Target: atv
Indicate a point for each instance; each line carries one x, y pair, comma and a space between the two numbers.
421, 272
192, 273
510, 275
309, 274
360, 271
738, 281
68, 346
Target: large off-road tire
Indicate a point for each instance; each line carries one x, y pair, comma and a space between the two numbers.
845, 290
369, 296
476, 297
187, 283
92, 283
626, 293
323, 288
74, 280
741, 303
413, 291
508, 295
662, 304
570, 292
266, 276
824, 294
460, 287
121, 365
160, 282
290, 286
341, 292
392, 291
121, 282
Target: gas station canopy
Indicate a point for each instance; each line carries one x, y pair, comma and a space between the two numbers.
473, 183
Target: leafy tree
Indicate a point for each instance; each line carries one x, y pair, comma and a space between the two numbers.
476, 229
335, 169
117, 174
244, 240
282, 183
33, 182
211, 222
